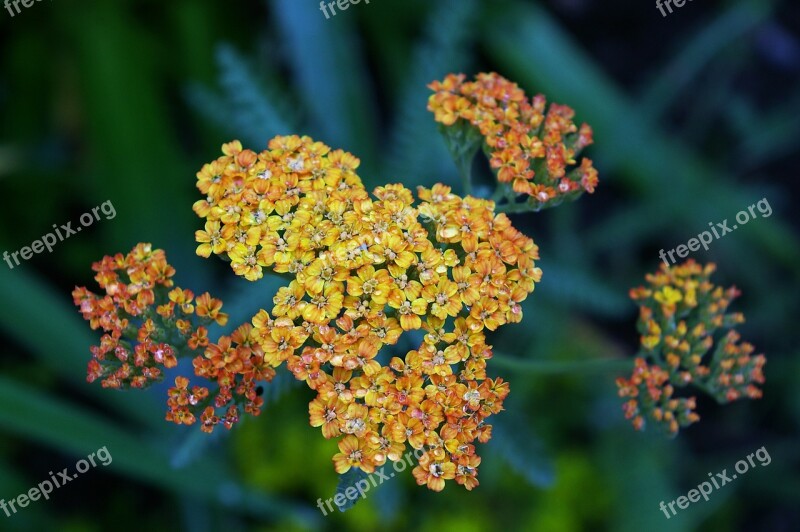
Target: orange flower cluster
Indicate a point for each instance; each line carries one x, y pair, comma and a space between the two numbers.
237, 364
143, 320
364, 271
680, 312
530, 145
148, 326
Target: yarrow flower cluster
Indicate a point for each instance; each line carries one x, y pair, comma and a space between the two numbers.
530, 145
680, 313
265, 210
364, 271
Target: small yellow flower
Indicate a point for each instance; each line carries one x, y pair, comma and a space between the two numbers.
442, 298
211, 239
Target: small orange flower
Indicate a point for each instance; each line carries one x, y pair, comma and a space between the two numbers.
442, 298
211, 239
433, 472
210, 307
328, 414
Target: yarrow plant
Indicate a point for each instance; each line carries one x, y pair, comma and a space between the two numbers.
362, 270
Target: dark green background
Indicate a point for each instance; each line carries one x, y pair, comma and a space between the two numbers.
696, 116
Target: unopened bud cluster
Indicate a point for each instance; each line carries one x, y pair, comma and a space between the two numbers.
682, 316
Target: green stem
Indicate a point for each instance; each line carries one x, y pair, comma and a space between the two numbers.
464, 164
510, 208
555, 367
463, 141
708, 390
499, 193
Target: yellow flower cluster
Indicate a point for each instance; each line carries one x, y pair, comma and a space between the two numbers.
364, 271
680, 312
530, 145
280, 208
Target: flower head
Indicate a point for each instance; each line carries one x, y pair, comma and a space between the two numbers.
276, 209
145, 321
365, 270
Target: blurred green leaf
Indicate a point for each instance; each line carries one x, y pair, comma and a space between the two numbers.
554, 367
28, 413
515, 441
416, 152
583, 290
320, 52
248, 108
726, 28
777, 136
133, 146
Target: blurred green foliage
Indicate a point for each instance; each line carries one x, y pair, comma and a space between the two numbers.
696, 116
